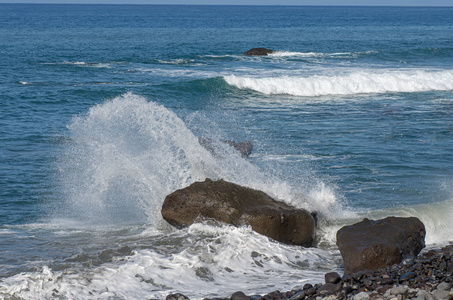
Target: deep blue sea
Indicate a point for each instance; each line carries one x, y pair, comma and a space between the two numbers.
102, 107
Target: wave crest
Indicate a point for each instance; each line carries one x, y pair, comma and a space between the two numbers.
359, 82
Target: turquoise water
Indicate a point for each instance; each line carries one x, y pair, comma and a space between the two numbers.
102, 107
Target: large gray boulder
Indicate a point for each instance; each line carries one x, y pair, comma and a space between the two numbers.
237, 205
370, 245
259, 52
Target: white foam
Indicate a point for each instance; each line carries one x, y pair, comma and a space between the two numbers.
178, 61
217, 261
290, 54
354, 82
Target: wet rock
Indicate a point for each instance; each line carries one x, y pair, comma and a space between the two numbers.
258, 52
369, 245
298, 296
239, 296
176, 296
329, 289
244, 148
311, 291
237, 205
332, 277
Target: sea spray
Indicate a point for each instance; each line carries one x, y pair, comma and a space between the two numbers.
126, 154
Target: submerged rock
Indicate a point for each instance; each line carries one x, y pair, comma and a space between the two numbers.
369, 245
237, 205
259, 52
244, 148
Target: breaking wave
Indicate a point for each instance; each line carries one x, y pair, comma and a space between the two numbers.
358, 82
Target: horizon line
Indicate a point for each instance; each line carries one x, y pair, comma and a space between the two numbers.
180, 4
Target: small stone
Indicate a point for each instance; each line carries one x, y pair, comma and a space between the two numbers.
347, 288
443, 286
424, 295
387, 281
439, 294
408, 275
332, 277
298, 296
307, 286
358, 276
361, 296
176, 296
329, 288
239, 296
311, 291
399, 290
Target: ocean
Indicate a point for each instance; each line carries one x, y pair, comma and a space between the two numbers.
102, 108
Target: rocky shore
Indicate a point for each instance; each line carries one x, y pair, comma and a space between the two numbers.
425, 277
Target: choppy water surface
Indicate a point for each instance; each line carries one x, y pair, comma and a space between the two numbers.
102, 108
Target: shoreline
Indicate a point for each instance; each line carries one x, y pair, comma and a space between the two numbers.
428, 276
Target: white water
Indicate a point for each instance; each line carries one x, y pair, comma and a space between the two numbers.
127, 154
122, 158
350, 83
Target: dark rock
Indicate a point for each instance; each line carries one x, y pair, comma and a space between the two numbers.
358, 276
307, 286
233, 204
387, 281
369, 245
329, 289
259, 52
298, 296
239, 296
407, 276
311, 291
332, 277
347, 289
176, 296
244, 148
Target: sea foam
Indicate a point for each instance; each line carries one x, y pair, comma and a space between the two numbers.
355, 82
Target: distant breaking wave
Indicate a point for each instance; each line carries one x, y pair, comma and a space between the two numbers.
358, 82
318, 54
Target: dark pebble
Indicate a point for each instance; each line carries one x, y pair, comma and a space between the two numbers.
329, 289
358, 276
298, 296
332, 277
407, 276
310, 291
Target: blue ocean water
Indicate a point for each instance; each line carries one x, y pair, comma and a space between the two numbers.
102, 107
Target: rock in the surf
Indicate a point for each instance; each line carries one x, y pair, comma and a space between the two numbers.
369, 245
176, 296
258, 52
244, 148
237, 205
